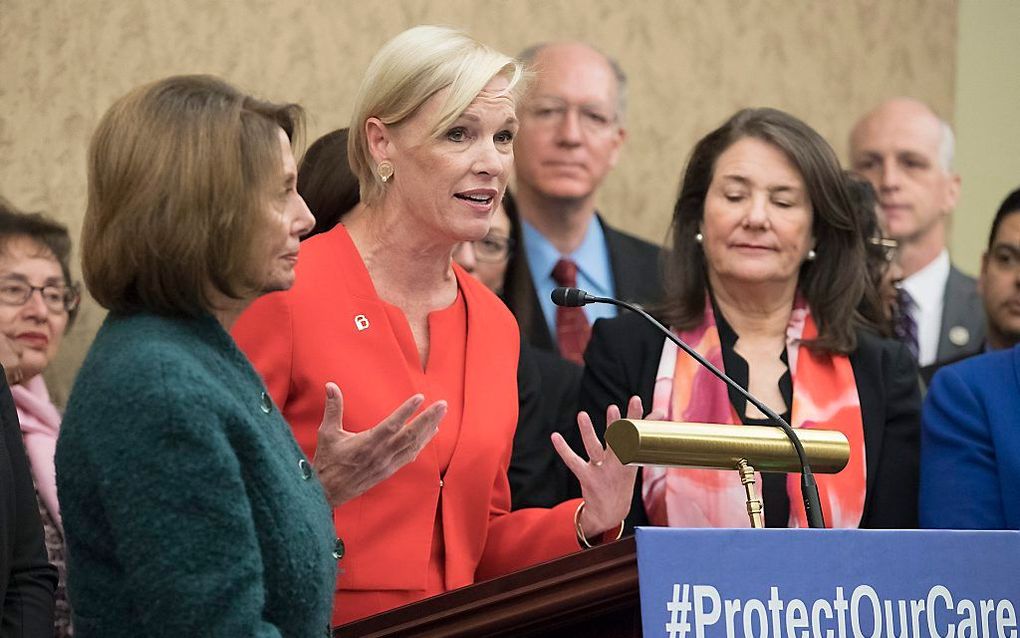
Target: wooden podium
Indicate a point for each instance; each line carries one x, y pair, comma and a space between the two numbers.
592, 593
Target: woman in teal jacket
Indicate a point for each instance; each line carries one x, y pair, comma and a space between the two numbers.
189, 510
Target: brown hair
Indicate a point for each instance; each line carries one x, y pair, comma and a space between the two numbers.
178, 177
865, 201
51, 236
832, 284
326, 182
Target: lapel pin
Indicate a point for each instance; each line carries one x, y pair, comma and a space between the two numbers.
959, 336
361, 322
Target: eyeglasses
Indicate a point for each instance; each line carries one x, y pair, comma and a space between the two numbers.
551, 113
57, 298
492, 248
887, 246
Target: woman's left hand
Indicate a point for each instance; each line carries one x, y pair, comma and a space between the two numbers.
607, 486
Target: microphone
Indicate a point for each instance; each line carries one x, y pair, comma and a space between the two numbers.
574, 297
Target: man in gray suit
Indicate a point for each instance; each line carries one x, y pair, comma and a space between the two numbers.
906, 152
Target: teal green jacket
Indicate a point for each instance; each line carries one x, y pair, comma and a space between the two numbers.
188, 508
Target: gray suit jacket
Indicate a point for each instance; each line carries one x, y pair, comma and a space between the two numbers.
963, 318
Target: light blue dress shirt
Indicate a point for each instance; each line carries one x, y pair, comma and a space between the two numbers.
594, 272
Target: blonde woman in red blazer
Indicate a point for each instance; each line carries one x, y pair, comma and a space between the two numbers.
380, 310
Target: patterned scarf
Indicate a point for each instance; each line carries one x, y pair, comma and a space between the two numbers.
40, 425
824, 396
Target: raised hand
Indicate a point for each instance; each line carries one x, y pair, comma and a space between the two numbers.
350, 463
607, 486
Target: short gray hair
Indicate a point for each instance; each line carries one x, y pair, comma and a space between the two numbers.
528, 55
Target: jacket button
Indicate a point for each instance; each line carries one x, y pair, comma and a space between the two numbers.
266, 403
338, 548
306, 469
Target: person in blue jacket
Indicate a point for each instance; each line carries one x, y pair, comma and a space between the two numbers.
970, 444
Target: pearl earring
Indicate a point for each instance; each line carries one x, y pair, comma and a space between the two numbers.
811, 255
699, 238
384, 170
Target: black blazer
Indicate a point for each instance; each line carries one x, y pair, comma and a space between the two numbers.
547, 385
623, 358
636, 276
27, 579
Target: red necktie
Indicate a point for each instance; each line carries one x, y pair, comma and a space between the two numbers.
572, 329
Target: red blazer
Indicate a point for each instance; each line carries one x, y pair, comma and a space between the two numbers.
331, 326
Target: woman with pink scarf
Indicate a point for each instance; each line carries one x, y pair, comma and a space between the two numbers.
38, 302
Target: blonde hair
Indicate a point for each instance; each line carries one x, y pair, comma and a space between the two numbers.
178, 177
410, 69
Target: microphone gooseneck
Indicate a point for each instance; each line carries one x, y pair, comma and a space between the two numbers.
573, 297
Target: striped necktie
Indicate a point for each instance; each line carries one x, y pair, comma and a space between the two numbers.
906, 323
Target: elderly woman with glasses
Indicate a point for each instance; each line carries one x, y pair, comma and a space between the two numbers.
38, 303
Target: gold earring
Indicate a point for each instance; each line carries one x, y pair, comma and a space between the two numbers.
384, 170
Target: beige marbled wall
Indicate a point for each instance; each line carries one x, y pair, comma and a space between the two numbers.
690, 64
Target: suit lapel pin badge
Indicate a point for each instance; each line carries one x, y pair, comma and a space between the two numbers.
361, 322
959, 336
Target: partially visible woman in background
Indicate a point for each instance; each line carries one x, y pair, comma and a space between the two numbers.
547, 384
38, 302
325, 181
880, 302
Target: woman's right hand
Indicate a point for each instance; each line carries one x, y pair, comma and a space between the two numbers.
350, 463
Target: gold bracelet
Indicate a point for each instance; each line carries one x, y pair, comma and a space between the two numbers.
580, 531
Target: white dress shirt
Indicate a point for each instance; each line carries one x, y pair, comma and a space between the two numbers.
928, 287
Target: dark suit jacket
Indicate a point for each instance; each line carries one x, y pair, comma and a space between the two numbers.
636, 276
961, 308
27, 580
623, 358
547, 388
971, 444
928, 371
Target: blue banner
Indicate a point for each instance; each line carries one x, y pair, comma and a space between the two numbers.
765, 583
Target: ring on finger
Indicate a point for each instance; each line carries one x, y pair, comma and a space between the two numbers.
598, 463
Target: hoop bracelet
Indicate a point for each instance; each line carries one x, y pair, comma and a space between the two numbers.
580, 531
